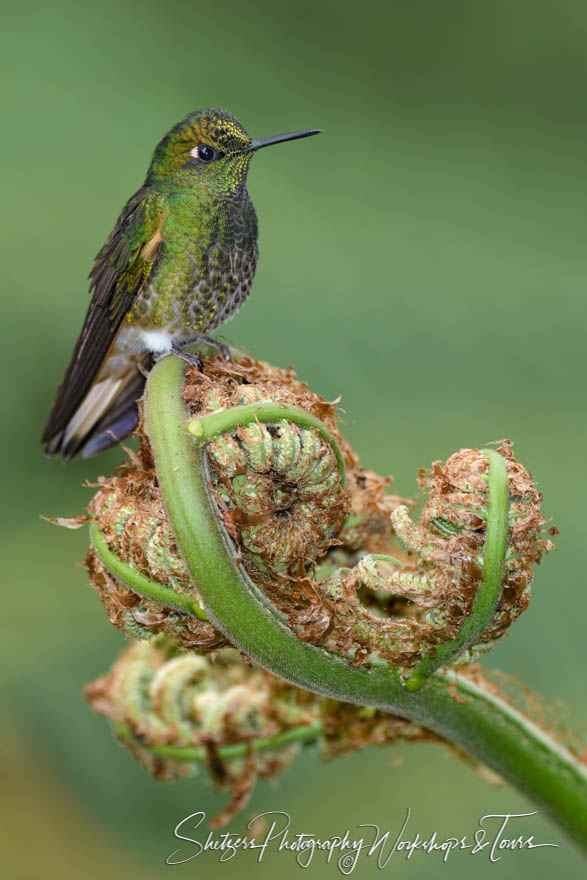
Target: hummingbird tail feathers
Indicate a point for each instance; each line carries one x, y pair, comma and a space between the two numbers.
113, 434
107, 414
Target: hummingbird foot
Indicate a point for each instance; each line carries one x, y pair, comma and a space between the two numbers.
190, 357
204, 339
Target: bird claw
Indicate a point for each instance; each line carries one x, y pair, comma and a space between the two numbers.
203, 339
190, 357
222, 349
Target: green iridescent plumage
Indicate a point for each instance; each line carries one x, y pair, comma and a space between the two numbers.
179, 262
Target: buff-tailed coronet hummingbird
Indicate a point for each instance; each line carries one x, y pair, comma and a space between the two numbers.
179, 262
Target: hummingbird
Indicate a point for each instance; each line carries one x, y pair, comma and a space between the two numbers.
178, 264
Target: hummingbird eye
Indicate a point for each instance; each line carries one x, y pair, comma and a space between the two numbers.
206, 153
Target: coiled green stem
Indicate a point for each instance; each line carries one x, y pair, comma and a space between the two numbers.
207, 427
489, 590
450, 704
138, 583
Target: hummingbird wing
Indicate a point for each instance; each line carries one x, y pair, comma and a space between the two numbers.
120, 271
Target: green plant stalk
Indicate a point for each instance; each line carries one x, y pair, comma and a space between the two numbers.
489, 589
449, 704
208, 427
302, 733
138, 583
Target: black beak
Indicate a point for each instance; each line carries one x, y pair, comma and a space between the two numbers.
257, 143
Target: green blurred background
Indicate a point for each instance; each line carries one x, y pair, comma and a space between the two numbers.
425, 258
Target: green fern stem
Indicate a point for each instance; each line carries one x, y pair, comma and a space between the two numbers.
446, 702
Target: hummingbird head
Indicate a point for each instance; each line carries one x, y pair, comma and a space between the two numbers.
209, 149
